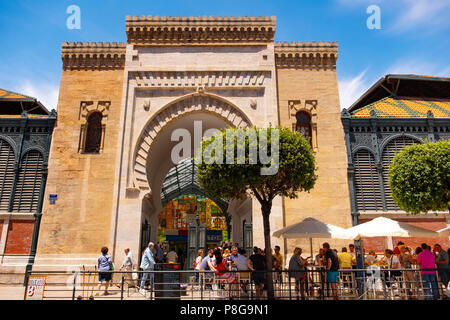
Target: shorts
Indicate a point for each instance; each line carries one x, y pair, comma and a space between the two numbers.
332, 276
258, 277
104, 276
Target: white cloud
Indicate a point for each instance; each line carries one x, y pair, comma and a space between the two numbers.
46, 93
431, 14
351, 88
418, 67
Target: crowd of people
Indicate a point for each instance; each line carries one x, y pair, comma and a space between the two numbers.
225, 260
400, 265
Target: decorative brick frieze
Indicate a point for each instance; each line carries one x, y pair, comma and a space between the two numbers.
93, 55
200, 30
183, 79
322, 55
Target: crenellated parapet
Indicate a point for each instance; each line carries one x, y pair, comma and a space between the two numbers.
200, 30
322, 55
93, 55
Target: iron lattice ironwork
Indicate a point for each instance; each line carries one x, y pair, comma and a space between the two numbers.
7, 159
29, 181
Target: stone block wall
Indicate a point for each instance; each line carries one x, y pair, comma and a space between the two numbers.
329, 200
79, 222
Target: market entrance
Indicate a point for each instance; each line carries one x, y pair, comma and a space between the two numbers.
182, 200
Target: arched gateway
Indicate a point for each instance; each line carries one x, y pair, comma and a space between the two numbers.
186, 105
175, 73
158, 181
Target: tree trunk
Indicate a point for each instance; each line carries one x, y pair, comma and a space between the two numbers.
266, 208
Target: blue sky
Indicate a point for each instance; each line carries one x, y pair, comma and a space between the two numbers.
414, 35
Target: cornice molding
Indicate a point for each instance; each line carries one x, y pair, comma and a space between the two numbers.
200, 30
93, 55
193, 79
321, 55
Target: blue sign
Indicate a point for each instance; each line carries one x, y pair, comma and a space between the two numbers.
214, 236
53, 198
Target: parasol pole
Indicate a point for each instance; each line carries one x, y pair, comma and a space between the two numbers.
310, 245
388, 243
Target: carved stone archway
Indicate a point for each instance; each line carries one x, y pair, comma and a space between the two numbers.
196, 102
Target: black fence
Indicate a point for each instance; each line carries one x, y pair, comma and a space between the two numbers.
373, 283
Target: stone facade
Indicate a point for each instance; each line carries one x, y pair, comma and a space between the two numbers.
306, 74
80, 219
174, 71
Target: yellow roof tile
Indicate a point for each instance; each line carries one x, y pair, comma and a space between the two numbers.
401, 107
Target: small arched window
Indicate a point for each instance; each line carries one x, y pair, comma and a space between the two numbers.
93, 135
304, 124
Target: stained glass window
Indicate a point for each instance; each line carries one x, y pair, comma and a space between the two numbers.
179, 213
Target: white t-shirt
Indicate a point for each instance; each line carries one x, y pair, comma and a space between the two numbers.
198, 261
392, 264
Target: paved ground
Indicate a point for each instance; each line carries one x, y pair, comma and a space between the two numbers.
12, 292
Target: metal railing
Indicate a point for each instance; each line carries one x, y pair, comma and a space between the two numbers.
314, 283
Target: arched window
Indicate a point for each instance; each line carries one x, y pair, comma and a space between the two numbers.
389, 151
304, 125
367, 184
26, 196
94, 130
6, 173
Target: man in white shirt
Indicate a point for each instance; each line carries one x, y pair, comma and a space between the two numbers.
172, 256
392, 262
128, 265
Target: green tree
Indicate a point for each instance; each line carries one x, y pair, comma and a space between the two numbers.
296, 170
419, 177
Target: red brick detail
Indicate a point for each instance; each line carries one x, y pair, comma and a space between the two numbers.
376, 243
19, 237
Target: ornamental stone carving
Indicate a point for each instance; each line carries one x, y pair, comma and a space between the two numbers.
195, 102
87, 107
93, 55
304, 55
196, 79
199, 30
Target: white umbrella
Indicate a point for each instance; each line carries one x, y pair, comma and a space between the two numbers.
444, 232
384, 227
312, 228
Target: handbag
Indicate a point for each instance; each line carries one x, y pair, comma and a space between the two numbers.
394, 273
